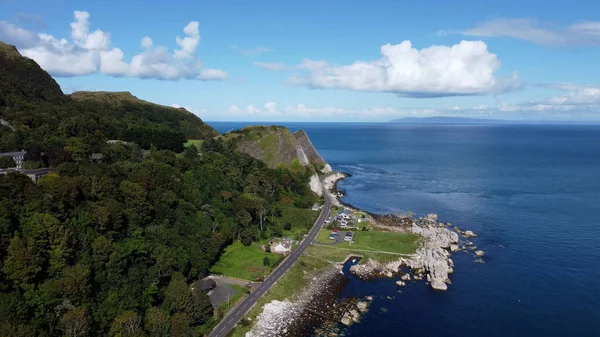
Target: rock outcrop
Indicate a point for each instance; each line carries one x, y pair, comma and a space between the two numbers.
310, 151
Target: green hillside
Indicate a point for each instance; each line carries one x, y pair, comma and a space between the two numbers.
111, 248
42, 116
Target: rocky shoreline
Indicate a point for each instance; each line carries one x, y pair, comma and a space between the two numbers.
316, 310
314, 306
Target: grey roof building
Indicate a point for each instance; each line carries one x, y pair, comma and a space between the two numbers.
16, 156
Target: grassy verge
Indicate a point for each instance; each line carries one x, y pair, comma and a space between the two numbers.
196, 142
245, 262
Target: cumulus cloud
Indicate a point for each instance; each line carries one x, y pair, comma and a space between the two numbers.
90, 51
527, 29
273, 66
250, 51
467, 68
213, 75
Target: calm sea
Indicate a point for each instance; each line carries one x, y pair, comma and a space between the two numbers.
531, 193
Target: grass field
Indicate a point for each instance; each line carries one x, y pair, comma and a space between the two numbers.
196, 142
244, 262
301, 219
403, 243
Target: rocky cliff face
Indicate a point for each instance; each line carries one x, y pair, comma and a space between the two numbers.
309, 150
276, 145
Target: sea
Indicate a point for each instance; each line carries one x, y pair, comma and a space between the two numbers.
530, 192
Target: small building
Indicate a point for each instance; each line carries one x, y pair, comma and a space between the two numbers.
16, 156
34, 175
205, 285
117, 141
37, 174
283, 247
96, 157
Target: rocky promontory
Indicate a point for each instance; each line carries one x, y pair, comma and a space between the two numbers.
431, 259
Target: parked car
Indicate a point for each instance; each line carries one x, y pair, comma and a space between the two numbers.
332, 237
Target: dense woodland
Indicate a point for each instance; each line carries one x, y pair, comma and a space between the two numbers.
111, 248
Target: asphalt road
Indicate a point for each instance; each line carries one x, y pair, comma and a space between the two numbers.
236, 314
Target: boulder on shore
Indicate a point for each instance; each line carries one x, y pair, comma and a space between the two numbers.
438, 284
479, 253
469, 234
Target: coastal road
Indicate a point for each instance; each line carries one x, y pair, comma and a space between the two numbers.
239, 311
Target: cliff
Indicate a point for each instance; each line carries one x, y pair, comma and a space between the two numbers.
308, 148
276, 145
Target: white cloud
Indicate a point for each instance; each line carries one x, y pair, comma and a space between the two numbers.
456, 108
467, 68
273, 66
213, 75
233, 109
301, 111
91, 51
271, 107
250, 51
577, 34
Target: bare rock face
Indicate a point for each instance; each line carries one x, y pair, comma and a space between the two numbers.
326, 169
301, 155
438, 285
315, 185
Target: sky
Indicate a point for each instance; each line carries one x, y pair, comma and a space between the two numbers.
329, 61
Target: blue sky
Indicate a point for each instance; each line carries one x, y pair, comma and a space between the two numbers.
323, 60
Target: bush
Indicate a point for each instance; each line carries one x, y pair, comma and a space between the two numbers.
7, 162
287, 226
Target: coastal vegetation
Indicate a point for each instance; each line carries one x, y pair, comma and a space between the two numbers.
111, 246
245, 262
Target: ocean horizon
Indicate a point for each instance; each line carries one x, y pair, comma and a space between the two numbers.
531, 194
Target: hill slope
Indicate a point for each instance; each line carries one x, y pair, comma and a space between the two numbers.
276, 145
38, 111
21, 77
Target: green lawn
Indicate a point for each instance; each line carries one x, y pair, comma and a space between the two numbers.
386, 241
244, 262
196, 142
323, 235
302, 220
365, 241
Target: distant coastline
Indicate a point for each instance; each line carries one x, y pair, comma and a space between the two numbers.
482, 121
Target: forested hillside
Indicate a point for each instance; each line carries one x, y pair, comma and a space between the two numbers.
110, 248
41, 116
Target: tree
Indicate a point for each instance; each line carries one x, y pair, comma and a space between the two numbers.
7, 162
23, 263
287, 226
76, 148
157, 322
180, 325
75, 323
177, 295
266, 261
126, 324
